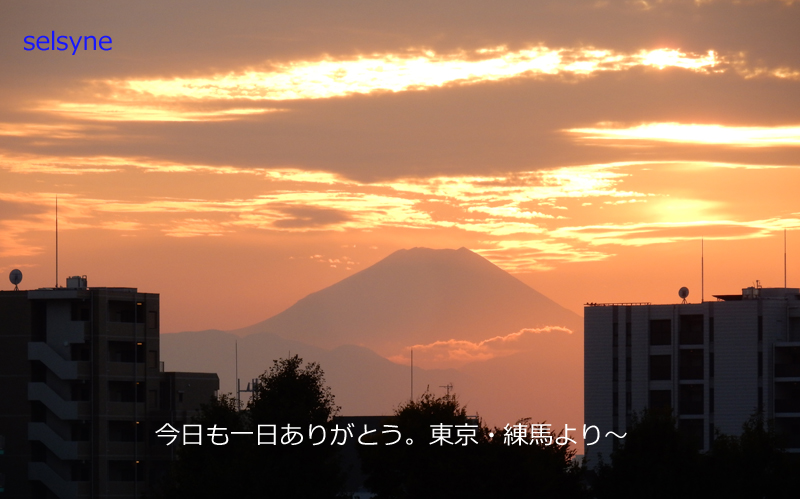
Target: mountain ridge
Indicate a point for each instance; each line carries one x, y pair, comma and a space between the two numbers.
417, 296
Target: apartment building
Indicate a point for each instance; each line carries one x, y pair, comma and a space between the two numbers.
84, 390
714, 364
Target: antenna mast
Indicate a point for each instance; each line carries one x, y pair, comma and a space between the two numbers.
702, 271
56, 240
412, 374
784, 258
238, 400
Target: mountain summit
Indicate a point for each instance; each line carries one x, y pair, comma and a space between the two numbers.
417, 296
412, 297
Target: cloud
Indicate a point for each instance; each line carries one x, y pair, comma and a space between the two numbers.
17, 209
455, 353
193, 227
63, 131
643, 234
301, 217
522, 221
415, 69
695, 134
136, 111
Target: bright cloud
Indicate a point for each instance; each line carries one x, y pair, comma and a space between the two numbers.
696, 134
328, 77
455, 353
176, 99
134, 111
522, 221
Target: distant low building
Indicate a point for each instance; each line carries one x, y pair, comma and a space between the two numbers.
713, 363
84, 390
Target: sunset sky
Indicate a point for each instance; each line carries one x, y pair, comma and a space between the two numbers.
236, 156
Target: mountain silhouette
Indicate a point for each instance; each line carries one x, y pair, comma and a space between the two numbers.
414, 297
417, 296
362, 381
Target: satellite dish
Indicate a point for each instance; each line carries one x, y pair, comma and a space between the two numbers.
15, 277
683, 293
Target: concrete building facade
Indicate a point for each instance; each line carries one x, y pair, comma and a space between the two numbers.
83, 392
714, 364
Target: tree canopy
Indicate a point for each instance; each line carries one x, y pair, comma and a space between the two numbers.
484, 466
290, 396
657, 460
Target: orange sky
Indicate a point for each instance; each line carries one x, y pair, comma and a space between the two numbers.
236, 158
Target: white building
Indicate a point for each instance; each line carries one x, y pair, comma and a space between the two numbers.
714, 363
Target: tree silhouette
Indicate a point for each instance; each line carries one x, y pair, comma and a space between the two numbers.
288, 396
292, 397
210, 470
484, 467
654, 460
752, 465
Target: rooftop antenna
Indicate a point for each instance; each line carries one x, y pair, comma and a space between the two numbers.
412, 374
56, 240
238, 398
683, 293
784, 258
702, 271
15, 277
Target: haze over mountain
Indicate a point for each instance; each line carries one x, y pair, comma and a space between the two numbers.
503, 345
363, 382
417, 296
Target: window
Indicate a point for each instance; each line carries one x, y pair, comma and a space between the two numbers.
787, 396
660, 400
80, 310
152, 319
125, 351
125, 311
39, 321
691, 364
661, 332
660, 367
81, 391
690, 399
125, 391
124, 431
787, 362
152, 359
691, 332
